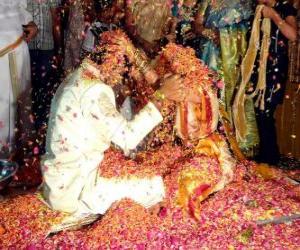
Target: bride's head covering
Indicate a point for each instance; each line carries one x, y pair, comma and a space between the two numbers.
193, 120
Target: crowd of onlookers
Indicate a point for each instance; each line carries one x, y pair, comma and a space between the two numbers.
60, 33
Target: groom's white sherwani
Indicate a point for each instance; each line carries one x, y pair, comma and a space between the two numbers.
83, 123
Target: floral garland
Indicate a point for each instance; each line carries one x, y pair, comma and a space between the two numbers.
146, 164
183, 61
176, 59
110, 57
164, 132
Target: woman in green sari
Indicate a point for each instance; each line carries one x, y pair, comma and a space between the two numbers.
222, 27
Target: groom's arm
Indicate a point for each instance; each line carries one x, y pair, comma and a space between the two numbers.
100, 110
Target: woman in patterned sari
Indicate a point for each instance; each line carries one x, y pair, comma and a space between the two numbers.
220, 41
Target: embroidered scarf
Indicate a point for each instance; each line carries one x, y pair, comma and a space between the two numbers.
247, 66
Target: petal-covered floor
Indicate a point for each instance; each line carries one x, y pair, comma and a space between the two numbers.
229, 219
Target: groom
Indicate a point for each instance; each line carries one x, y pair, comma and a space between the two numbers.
84, 121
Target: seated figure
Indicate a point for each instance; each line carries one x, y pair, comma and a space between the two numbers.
85, 121
195, 123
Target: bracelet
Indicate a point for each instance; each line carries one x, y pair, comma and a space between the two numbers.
143, 67
281, 23
159, 95
209, 33
140, 62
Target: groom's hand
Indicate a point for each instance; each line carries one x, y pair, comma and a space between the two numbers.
172, 88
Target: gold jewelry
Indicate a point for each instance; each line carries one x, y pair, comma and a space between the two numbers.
209, 33
159, 95
143, 67
140, 62
281, 23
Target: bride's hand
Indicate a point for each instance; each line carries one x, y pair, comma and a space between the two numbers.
192, 95
151, 76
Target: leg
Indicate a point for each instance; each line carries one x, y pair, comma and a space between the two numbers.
268, 152
44, 79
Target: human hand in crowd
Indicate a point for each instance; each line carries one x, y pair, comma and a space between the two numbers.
189, 35
268, 12
58, 60
211, 34
30, 31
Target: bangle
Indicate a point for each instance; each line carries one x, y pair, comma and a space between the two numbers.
159, 95
209, 33
140, 62
143, 67
281, 23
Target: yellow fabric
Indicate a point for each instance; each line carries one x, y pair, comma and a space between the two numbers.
233, 47
13, 68
250, 144
247, 66
197, 183
224, 117
190, 179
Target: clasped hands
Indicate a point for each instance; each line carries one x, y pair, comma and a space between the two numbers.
172, 85
173, 89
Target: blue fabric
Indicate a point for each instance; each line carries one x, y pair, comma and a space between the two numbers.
175, 8
207, 51
228, 13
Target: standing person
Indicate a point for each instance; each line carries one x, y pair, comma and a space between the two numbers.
221, 42
264, 74
45, 53
15, 70
107, 18
81, 15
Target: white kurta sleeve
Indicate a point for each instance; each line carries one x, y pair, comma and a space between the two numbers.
100, 109
26, 15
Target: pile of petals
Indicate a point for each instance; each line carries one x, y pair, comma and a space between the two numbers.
110, 56
159, 162
25, 220
164, 133
183, 61
228, 219
125, 220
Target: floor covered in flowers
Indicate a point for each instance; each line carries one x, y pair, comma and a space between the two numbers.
247, 214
